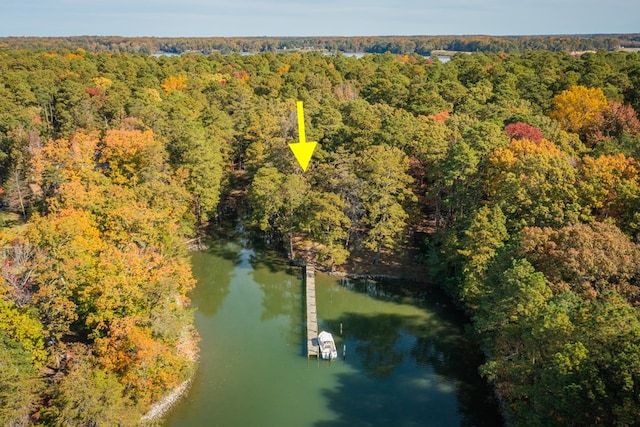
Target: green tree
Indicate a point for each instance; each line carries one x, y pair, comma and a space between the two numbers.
507, 319
90, 396
278, 203
591, 377
264, 197
361, 123
479, 245
201, 160
534, 184
385, 194
520, 293
20, 382
328, 225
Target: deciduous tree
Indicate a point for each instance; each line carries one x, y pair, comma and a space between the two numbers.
578, 108
585, 258
534, 184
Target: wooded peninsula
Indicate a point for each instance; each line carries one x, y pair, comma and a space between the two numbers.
513, 170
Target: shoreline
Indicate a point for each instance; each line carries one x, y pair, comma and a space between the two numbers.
160, 408
188, 349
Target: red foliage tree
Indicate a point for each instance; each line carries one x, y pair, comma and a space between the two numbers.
440, 117
523, 131
94, 91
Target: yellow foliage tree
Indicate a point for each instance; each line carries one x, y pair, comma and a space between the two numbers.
173, 83
102, 83
67, 159
22, 326
578, 108
284, 69
607, 182
131, 154
69, 247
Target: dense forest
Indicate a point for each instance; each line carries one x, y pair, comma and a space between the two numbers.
422, 45
519, 169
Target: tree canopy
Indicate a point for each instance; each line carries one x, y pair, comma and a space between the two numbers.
519, 165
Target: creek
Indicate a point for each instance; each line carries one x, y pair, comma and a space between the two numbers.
407, 361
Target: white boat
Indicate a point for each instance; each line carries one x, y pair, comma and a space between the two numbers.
327, 346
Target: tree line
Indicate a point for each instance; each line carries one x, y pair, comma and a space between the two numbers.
422, 45
522, 167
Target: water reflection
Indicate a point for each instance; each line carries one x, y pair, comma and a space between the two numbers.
213, 269
282, 293
373, 339
387, 346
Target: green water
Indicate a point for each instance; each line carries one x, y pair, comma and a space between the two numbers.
406, 361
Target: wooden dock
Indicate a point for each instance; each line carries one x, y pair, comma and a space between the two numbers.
312, 316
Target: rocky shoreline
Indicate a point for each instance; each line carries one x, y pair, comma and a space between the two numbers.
162, 406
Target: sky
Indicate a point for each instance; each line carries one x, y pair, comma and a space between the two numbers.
225, 18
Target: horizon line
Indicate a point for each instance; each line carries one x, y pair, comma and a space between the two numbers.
328, 36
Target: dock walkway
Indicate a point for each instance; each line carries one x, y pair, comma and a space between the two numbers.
312, 315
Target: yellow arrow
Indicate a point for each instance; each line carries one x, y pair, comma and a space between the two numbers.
303, 150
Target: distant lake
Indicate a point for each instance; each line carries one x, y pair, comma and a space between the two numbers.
354, 54
358, 55
442, 59
159, 54
407, 361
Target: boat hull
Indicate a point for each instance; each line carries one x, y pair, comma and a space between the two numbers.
327, 346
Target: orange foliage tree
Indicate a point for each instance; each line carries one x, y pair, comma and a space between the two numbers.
64, 160
108, 271
146, 366
131, 156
